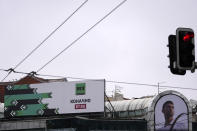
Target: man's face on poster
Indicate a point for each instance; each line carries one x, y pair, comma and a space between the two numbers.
168, 110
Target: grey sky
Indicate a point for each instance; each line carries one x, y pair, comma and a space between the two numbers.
129, 45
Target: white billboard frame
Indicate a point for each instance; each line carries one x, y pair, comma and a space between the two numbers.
150, 117
57, 97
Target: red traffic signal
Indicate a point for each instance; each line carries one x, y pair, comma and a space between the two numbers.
188, 36
185, 49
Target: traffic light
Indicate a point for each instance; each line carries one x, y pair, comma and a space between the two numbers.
185, 49
173, 56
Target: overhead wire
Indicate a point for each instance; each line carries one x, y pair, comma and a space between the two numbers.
50, 34
9, 72
6, 76
178, 87
123, 82
2, 69
45, 39
72, 43
109, 81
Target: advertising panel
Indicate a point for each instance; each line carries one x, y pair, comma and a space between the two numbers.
54, 98
171, 114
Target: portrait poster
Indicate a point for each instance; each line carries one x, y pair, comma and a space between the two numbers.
171, 114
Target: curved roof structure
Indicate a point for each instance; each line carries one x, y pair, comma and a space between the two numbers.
130, 105
130, 108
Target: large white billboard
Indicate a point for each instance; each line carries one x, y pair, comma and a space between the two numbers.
54, 98
171, 114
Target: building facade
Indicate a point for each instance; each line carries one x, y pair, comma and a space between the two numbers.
120, 114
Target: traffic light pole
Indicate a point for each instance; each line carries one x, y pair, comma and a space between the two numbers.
194, 68
195, 65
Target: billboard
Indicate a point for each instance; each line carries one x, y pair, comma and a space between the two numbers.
54, 98
171, 114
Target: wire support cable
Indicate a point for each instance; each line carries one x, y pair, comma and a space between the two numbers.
72, 43
46, 39
9, 72
130, 83
50, 35
118, 82
109, 81
114, 111
2, 70
179, 87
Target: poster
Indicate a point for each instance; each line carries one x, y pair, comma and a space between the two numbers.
54, 98
171, 114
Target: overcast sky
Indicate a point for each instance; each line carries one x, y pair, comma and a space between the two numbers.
129, 45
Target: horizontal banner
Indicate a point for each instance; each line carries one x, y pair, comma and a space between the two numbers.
54, 98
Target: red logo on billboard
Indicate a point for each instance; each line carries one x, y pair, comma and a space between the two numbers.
80, 106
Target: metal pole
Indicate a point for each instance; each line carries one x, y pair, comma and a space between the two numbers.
158, 84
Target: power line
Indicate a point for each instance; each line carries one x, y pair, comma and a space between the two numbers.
179, 87
9, 72
2, 69
6, 76
82, 35
139, 84
52, 76
130, 83
45, 39
127, 83
109, 81
50, 34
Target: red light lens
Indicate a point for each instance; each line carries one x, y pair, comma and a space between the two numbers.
188, 36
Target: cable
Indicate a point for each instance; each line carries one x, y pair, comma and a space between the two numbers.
109, 81
51, 75
9, 72
129, 83
114, 111
45, 39
5, 76
179, 87
50, 34
119, 82
132, 83
82, 35
3, 70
